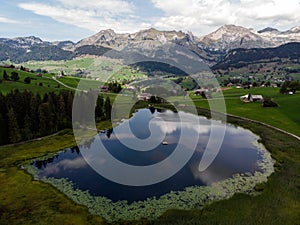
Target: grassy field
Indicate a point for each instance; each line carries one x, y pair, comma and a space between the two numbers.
25, 201
47, 84
44, 84
69, 66
92, 67
286, 116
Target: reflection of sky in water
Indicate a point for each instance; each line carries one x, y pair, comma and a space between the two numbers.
238, 154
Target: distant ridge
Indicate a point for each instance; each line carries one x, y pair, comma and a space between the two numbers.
211, 48
242, 57
268, 29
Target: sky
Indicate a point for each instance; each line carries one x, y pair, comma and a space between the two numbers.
57, 20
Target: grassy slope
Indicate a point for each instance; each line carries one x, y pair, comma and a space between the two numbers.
93, 64
285, 116
68, 66
7, 86
48, 83
25, 201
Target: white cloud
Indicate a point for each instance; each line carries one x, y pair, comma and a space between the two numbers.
201, 16
93, 15
6, 20
198, 16
111, 6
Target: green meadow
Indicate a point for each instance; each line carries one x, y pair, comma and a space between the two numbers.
24, 200
100, 68
44, 84
285, 116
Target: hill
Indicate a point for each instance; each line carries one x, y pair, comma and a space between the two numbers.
242, 57
41, 85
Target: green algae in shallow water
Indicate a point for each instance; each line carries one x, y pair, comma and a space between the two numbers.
151, 208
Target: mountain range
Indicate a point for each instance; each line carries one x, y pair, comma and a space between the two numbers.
211, 48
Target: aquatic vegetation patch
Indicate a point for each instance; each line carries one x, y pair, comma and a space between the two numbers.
151, 208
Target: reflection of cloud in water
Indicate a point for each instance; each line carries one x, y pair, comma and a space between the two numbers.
52, 169
167, 127
238, 136
170, 127
66, 164
73, 164
212, 174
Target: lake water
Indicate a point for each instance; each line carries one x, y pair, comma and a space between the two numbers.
238, 154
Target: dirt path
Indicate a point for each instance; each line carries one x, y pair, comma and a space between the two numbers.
63, 84
75, 89
32, 140
267, 125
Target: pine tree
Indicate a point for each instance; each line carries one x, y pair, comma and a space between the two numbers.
33, 113
3, 130
13, 127
27, 133
61, 113
284, 88
107, 107
44, 118
99, 107
5, 76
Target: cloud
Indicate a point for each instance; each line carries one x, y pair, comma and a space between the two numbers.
6, 20
200, 16
111, 6
92, 15
66, 164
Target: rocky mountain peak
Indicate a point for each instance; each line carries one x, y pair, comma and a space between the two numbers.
104, 35
31, 40
156, 35
231, 36
229, 30
269, 30
294, 30
108, 38
211, 47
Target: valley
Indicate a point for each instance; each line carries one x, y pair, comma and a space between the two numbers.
57, 102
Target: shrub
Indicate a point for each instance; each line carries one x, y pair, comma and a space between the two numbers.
15, 76
27, 80
269, 103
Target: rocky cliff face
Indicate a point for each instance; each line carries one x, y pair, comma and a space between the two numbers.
147, 38
279, 38
231, 37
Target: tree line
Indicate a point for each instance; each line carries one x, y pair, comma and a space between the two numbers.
25, 115
290, 86
14, 76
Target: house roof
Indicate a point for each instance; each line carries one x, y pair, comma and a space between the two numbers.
245, 96
252, 96
257, 96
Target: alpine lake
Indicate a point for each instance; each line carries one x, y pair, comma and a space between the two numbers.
240, 164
